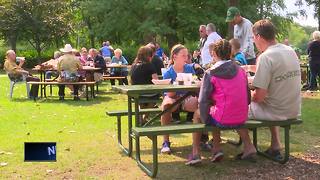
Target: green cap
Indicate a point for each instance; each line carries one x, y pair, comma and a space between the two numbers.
232, 12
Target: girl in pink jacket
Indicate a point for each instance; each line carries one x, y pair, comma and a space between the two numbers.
223, 100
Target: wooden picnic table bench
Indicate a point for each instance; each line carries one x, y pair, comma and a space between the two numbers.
153, 132
87, 84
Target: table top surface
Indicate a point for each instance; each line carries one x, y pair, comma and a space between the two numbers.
85, 68
116, 66
151, 88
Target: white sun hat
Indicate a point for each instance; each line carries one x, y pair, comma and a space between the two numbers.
67, 48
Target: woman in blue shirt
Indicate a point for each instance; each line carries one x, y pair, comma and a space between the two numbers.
119, 59
179, 56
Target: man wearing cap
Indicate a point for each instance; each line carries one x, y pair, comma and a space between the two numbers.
243, 32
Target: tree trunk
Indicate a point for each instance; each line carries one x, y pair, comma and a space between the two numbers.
261, 11
91, 33
318, 14
172, 40
13, 41
230, 26
38, 49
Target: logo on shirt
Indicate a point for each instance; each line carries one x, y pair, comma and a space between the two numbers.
290, 74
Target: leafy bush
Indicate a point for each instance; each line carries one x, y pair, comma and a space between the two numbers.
30, 55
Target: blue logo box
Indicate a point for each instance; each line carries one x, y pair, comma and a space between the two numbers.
40, 151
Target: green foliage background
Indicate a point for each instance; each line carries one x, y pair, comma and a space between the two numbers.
37, 28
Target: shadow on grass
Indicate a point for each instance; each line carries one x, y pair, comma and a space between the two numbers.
173, 166
68, 101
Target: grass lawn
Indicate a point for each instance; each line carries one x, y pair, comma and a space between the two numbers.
87, 144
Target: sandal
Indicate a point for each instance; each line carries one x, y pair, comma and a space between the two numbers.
250, 157
274, 154
217, 157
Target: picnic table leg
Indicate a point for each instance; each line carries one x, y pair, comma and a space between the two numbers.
125, 150
286, 148
255, 140
150, 172
50, 90
136, 109
286, 145
41, 86
129, 126
87, 92
44, 91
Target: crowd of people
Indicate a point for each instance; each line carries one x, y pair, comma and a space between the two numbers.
66, 66
225, 99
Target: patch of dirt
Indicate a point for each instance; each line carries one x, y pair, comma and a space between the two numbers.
307, 94
304, 166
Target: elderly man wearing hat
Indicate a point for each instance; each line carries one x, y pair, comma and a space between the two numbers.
242, 32
68, 67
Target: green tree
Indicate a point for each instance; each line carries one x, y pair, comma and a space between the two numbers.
38, 22
10, 24
315, 3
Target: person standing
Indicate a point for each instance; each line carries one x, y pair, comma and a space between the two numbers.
243, 32
277, 82
106, 51
314, 60
156, 60
213, 37
196, 58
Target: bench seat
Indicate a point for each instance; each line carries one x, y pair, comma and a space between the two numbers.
153, 132
86, 83
189, 128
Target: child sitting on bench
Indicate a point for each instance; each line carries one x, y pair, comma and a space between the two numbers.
223, 102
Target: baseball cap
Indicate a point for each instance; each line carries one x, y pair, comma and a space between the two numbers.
231, 13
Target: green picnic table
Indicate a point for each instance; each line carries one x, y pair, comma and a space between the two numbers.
134, 92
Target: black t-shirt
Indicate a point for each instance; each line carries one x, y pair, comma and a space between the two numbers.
158, 64
100, 63
314, 51
141, 73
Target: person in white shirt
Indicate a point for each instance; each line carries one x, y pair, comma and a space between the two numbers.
243, 32
213, 37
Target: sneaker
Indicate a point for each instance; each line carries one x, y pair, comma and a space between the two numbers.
166, 147
61, 98
193, 160
76, 98
217, 157
205, 146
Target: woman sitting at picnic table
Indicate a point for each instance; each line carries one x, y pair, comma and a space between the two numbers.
116, 72
84, 57
68, 68
17, 73
143, 72
179, 55
223, 102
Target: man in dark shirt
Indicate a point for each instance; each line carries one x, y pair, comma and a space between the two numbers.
314, 60
156, 61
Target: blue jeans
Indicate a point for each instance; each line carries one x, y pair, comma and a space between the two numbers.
314, 73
